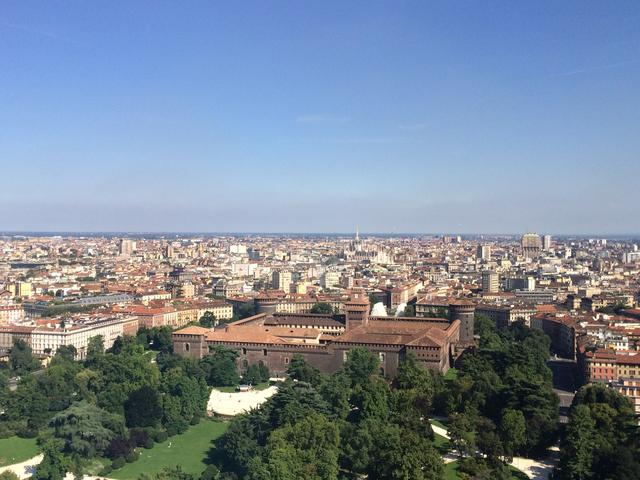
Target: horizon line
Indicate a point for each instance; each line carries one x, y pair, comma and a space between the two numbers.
345, 233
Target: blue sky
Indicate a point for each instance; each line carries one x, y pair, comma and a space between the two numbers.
451, 116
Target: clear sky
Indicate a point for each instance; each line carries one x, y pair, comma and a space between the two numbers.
425, 116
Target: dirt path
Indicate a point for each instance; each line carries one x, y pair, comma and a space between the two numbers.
534, 469
23, 469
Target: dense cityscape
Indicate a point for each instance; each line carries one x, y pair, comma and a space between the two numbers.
282, 317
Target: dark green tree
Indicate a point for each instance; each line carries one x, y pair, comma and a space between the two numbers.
418, 382
301, 370
306, 449
169, 473
360, 365
162, 339
95, 348
255, 374
207, 320
576, 457
220, 367
66, 352
322, 307
184, 400
245, 310
54, 464
9, 475
461, 433
143, 408
21, 360
402, 455
86, 429
512, 431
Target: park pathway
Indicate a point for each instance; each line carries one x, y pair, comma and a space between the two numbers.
534, 469
23, 469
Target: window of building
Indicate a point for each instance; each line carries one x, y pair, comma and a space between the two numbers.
244, 351
187, 347
264, 352
286, 360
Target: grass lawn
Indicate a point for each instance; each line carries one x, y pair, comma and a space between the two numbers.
151, 355
189, 450
437, 423
260, 386
451, 472
16, 450
441, 444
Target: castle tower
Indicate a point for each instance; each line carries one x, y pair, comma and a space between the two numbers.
465, 311
357, 309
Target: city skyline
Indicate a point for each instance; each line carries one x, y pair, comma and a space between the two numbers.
430, 117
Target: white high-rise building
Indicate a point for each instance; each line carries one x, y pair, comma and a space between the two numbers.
483, 252
546, 242
490, 282
127, 246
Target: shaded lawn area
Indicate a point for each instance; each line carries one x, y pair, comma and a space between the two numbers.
442, 444
451, 472
438, 423
189, 450
16, 450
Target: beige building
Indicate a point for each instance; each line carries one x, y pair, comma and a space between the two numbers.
23, 289
281, 280
46, 339
127, 247
220, 310
531, 245
490, 282
11, 313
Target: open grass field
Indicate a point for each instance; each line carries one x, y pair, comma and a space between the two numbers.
16, 450
189, 450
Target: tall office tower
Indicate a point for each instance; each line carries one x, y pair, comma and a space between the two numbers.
484, 252
23, 289
281, 280
530, 284
127, 246
546, 242
531, 245
490, 282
